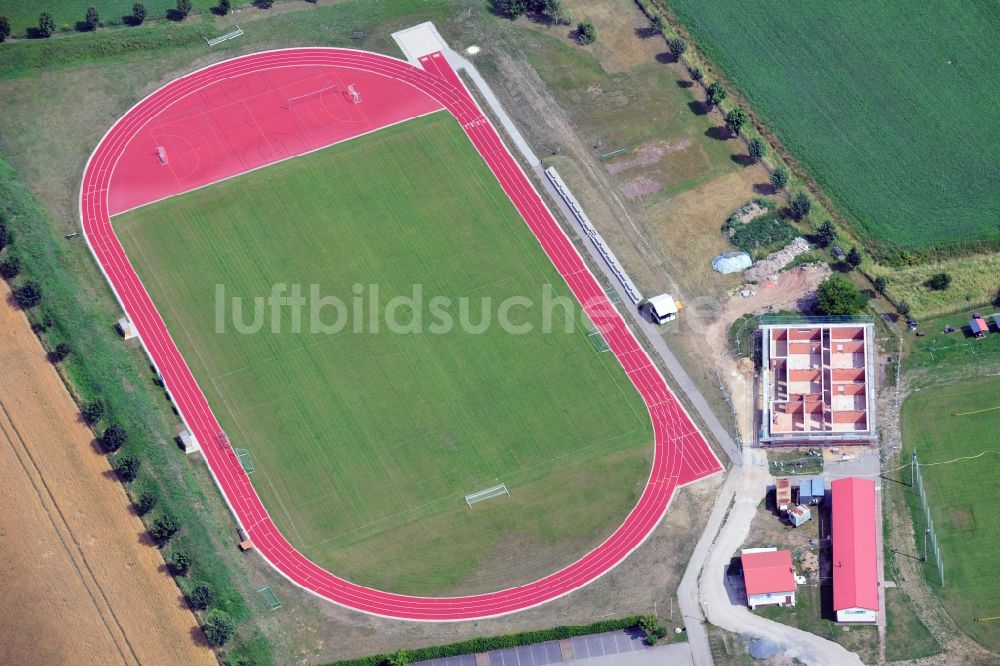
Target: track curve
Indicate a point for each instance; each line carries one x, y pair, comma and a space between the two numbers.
681, 454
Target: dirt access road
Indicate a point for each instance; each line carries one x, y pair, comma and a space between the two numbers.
80, 583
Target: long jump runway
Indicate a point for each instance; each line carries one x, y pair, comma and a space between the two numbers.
254, 110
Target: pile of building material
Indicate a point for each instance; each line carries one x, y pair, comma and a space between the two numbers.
751, 211
731, 262
777, 260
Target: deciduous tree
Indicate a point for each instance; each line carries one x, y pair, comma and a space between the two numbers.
138, 13
127, 467
854, 258
10, 268
202, 596
113, 438
716, 93
164, 528
826, 234
218, 628
92, 412
61, 351
28, 295
800, 204
779, 178
92, 19
756, 149
939, 281
677, 47
145, 503
586, 31
735, 120
4, 28
180, 562
46, 25
837, 296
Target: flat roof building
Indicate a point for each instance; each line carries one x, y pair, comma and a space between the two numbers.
769, 577
855, 560
811, 490
817, 382
979, 327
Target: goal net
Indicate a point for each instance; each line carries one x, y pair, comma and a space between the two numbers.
481, 495
353, 94
161, 154
224, 440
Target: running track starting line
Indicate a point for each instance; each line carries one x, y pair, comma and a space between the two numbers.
681, 453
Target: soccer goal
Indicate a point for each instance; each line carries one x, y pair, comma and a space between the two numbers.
161, 154
223, 440
353, 94
243, 455
598, 341
269, 598
481, 495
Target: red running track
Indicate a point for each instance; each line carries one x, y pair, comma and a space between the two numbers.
681, 454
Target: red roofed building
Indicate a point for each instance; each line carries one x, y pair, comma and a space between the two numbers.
769, 577
855, 561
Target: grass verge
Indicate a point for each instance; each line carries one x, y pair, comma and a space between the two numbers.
906, 637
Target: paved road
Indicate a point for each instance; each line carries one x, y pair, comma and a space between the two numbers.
749, 485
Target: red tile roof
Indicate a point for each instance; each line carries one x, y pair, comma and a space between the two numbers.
855, 564
770, 571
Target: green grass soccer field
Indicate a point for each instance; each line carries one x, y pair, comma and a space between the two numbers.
364, 444
891, 105
962, 496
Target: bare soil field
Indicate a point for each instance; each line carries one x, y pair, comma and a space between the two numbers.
81, 583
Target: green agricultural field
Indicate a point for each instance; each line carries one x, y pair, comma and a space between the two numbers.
24, 15
890, 105
963, 496
364, 444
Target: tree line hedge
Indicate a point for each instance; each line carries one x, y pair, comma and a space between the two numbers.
488, 643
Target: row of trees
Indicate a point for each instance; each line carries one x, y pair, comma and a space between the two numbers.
114, 440
92, 18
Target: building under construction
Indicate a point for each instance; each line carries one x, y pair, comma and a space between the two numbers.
817, 381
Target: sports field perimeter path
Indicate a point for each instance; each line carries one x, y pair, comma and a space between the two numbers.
681, 453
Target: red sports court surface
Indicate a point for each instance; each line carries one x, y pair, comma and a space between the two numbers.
205, 145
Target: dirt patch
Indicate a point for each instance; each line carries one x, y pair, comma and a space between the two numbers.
80, 583
961, 519
786, 291
640, 187
646, 155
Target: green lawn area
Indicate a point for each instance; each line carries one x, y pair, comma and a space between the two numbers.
947, 351
67, 13
962, 495
906, 637
890, 105
364, 444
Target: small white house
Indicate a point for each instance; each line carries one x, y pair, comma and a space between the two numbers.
799, 514
769, 577
663, 308
188, 441
126, 328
